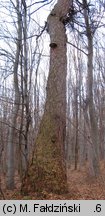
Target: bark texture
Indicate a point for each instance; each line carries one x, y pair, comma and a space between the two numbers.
48, 171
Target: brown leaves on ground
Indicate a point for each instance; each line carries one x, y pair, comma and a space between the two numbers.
80, 184
84, 187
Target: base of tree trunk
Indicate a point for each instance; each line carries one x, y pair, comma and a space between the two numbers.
47, 171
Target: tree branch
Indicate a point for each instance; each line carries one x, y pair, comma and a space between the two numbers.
40, 7
77, 47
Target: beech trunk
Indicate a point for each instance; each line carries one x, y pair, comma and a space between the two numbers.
48, 170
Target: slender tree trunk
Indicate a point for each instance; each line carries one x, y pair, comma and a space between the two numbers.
25, 112
94, 147
76, 129
21, 135
11, 138
68, 127
93, 123
26, 95
48, 170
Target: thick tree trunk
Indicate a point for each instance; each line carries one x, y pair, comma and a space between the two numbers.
48, 170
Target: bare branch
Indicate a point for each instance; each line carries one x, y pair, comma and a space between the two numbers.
77, 47
40, 7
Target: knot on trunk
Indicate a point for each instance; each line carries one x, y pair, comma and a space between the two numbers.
69, 17
53, 45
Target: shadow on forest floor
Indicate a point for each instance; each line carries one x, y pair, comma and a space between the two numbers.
81, 187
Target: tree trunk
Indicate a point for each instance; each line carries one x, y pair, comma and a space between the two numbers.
94, 147
26, 96
93, 123
76, 126
48, 171
11, 138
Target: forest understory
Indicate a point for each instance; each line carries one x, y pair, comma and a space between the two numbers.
81, 187
52, 99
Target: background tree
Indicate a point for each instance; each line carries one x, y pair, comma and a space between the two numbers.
11, 138
20, 57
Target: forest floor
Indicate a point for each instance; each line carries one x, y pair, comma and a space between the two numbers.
81, 187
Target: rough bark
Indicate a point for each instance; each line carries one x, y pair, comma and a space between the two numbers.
48, 170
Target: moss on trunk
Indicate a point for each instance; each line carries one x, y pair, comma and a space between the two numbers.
48, 170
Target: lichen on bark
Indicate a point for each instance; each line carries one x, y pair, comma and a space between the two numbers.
48, 170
